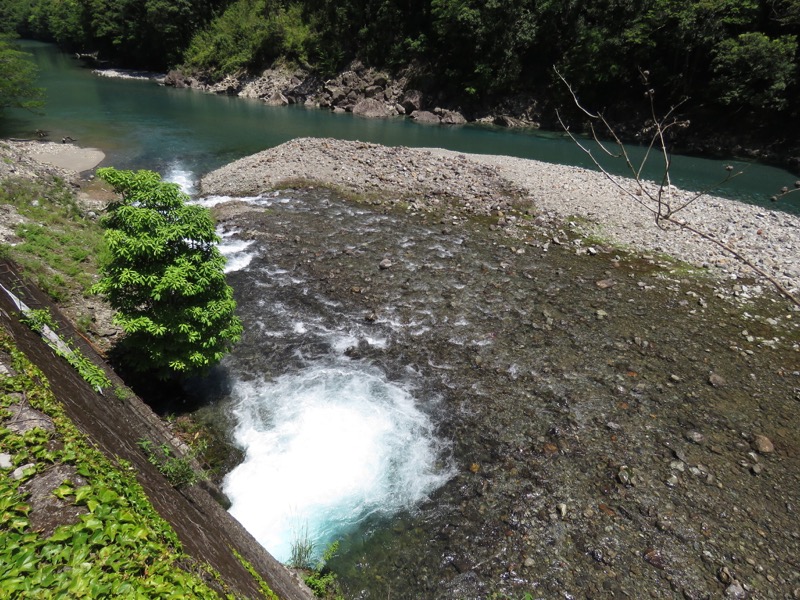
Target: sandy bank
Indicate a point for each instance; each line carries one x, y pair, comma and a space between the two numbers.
26, 159
64, 156
486, 184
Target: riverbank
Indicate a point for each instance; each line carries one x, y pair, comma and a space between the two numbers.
65, 156
553, 195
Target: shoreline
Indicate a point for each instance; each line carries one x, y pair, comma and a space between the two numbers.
70, 159
554, 194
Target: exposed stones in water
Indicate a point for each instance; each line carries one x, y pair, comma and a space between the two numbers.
554, 408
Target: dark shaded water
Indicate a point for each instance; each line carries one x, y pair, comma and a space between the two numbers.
583, 450
140, 124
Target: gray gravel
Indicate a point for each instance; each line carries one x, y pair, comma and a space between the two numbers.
562, 193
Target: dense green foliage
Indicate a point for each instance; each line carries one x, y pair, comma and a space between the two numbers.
119, 547
133, 32
725, 54
17, 77
165, 277
249, 34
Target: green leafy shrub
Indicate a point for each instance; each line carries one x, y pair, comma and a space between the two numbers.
164, 277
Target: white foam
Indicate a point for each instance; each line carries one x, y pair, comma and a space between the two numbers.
325, 448
267, 201
128, 74
183, 177
235, 252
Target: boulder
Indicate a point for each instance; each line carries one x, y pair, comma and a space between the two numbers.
337, 94
507, 121
351, 80
411, 101
452, 117
424, 116
370, 107
310, 86
373, 90
175, 79
277, 99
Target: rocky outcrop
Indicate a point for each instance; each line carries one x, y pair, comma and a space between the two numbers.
348, 92
508, 121
179, 80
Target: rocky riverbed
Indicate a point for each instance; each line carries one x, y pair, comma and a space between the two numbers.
618, 427
490, 185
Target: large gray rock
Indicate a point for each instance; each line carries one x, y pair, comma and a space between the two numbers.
373, 91
370, 107
277, 99
451, 117
336, 93
424, 116
412, 101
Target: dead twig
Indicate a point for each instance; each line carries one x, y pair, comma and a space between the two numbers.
661, 199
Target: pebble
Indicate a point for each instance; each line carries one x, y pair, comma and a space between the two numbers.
5, 461
716, 380
763, 444
735, 590
695, 436
19, 472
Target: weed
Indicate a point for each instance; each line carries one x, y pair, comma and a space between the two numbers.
39, 318
265, 589
322, 580
178, 470
302, 549
122, 393
84, 322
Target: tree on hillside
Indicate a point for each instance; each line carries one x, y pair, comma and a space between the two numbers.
17, 77
165, 277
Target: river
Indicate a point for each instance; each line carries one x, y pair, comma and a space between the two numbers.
140, 124
480, 419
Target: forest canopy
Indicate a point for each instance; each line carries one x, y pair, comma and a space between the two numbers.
727, 55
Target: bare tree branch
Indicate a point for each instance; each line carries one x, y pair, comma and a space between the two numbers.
664, 202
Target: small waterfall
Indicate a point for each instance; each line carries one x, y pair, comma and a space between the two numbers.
185, 178
326, 448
